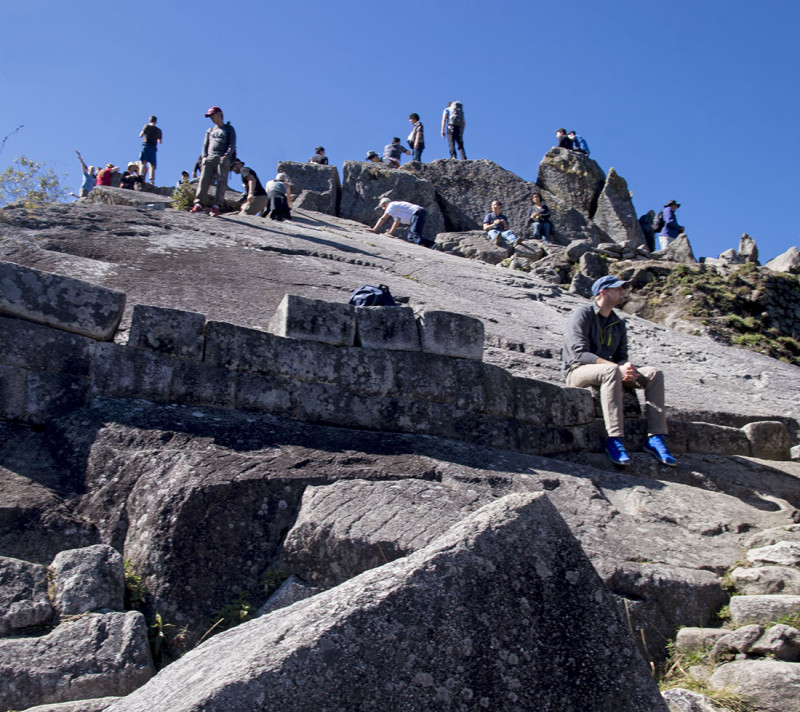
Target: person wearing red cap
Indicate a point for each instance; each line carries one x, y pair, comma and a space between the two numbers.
219, 149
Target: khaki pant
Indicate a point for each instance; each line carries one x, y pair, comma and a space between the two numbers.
213, 166
255, 208
609, 379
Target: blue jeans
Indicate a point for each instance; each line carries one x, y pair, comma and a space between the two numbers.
507, 235
541, 230
416, 153
417, 223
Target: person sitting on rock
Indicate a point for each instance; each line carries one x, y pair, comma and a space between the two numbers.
279, 196
255, 197
373, 157
671, 228
319, 156
579, 144
595, 353
540, 218
393, 151
495, 224
405, 213
564, 141
131, 180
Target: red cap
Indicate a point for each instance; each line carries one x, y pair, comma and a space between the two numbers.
213, 110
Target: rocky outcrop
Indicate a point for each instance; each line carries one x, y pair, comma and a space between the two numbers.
23, 595
572, 179
789, 262
364, 184
314, 186
413, 635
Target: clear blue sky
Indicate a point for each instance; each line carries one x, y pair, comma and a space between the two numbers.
696, 101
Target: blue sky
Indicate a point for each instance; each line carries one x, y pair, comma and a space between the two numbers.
696, 101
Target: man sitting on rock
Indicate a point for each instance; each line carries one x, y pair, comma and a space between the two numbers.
402, 212
564, 141
393, 151
495, 224
595, 353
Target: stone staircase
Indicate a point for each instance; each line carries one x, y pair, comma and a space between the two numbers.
757, 654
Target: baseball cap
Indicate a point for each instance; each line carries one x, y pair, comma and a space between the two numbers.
607, 282
213, 110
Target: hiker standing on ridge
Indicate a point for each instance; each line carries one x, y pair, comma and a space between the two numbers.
595, 353
495, 224
416, 139
219, 148
453, 120
152, 137
671, 229
405, 213
89, 177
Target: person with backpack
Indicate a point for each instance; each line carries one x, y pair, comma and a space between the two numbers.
670, 229
453, 121
219, 149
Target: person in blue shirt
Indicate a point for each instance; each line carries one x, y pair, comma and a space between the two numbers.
578, 143
495, 224
671, 228
89, 177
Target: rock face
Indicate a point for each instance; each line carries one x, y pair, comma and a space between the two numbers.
23, 595
364, 184
93, 656
413, 635
789, 262
88, 579
770, 685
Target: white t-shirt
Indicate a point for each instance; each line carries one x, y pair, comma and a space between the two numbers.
402, 211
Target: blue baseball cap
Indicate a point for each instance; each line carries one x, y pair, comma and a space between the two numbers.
607, 282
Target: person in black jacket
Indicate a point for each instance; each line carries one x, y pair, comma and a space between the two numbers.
595, 353
540, 218
564, 141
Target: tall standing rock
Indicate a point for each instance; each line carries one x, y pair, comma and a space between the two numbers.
364, 184
572, 178
615, 214
502, 612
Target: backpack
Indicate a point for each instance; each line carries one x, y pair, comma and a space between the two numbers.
456, 116
369, 296
658, 221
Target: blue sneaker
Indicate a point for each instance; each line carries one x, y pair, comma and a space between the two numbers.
656, 446
616, 452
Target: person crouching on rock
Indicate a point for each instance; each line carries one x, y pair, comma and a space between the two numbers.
255, 197
595, 353
405, 213
540, 218
279, 196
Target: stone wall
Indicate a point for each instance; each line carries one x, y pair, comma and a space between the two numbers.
325, 367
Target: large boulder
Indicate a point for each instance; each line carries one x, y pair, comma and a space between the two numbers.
473, 245
364, 184
572, 178
92, 656
789, 261
767, 685
314, 186
143, 200
88, 579
23, 595
466, 189
615, 214
503, 611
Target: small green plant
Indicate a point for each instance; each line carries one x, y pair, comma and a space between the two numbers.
272, 579
135, 590
158, 639
183, 196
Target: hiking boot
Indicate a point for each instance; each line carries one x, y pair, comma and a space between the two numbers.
616, 452
214, 212
196, 208
656, 446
